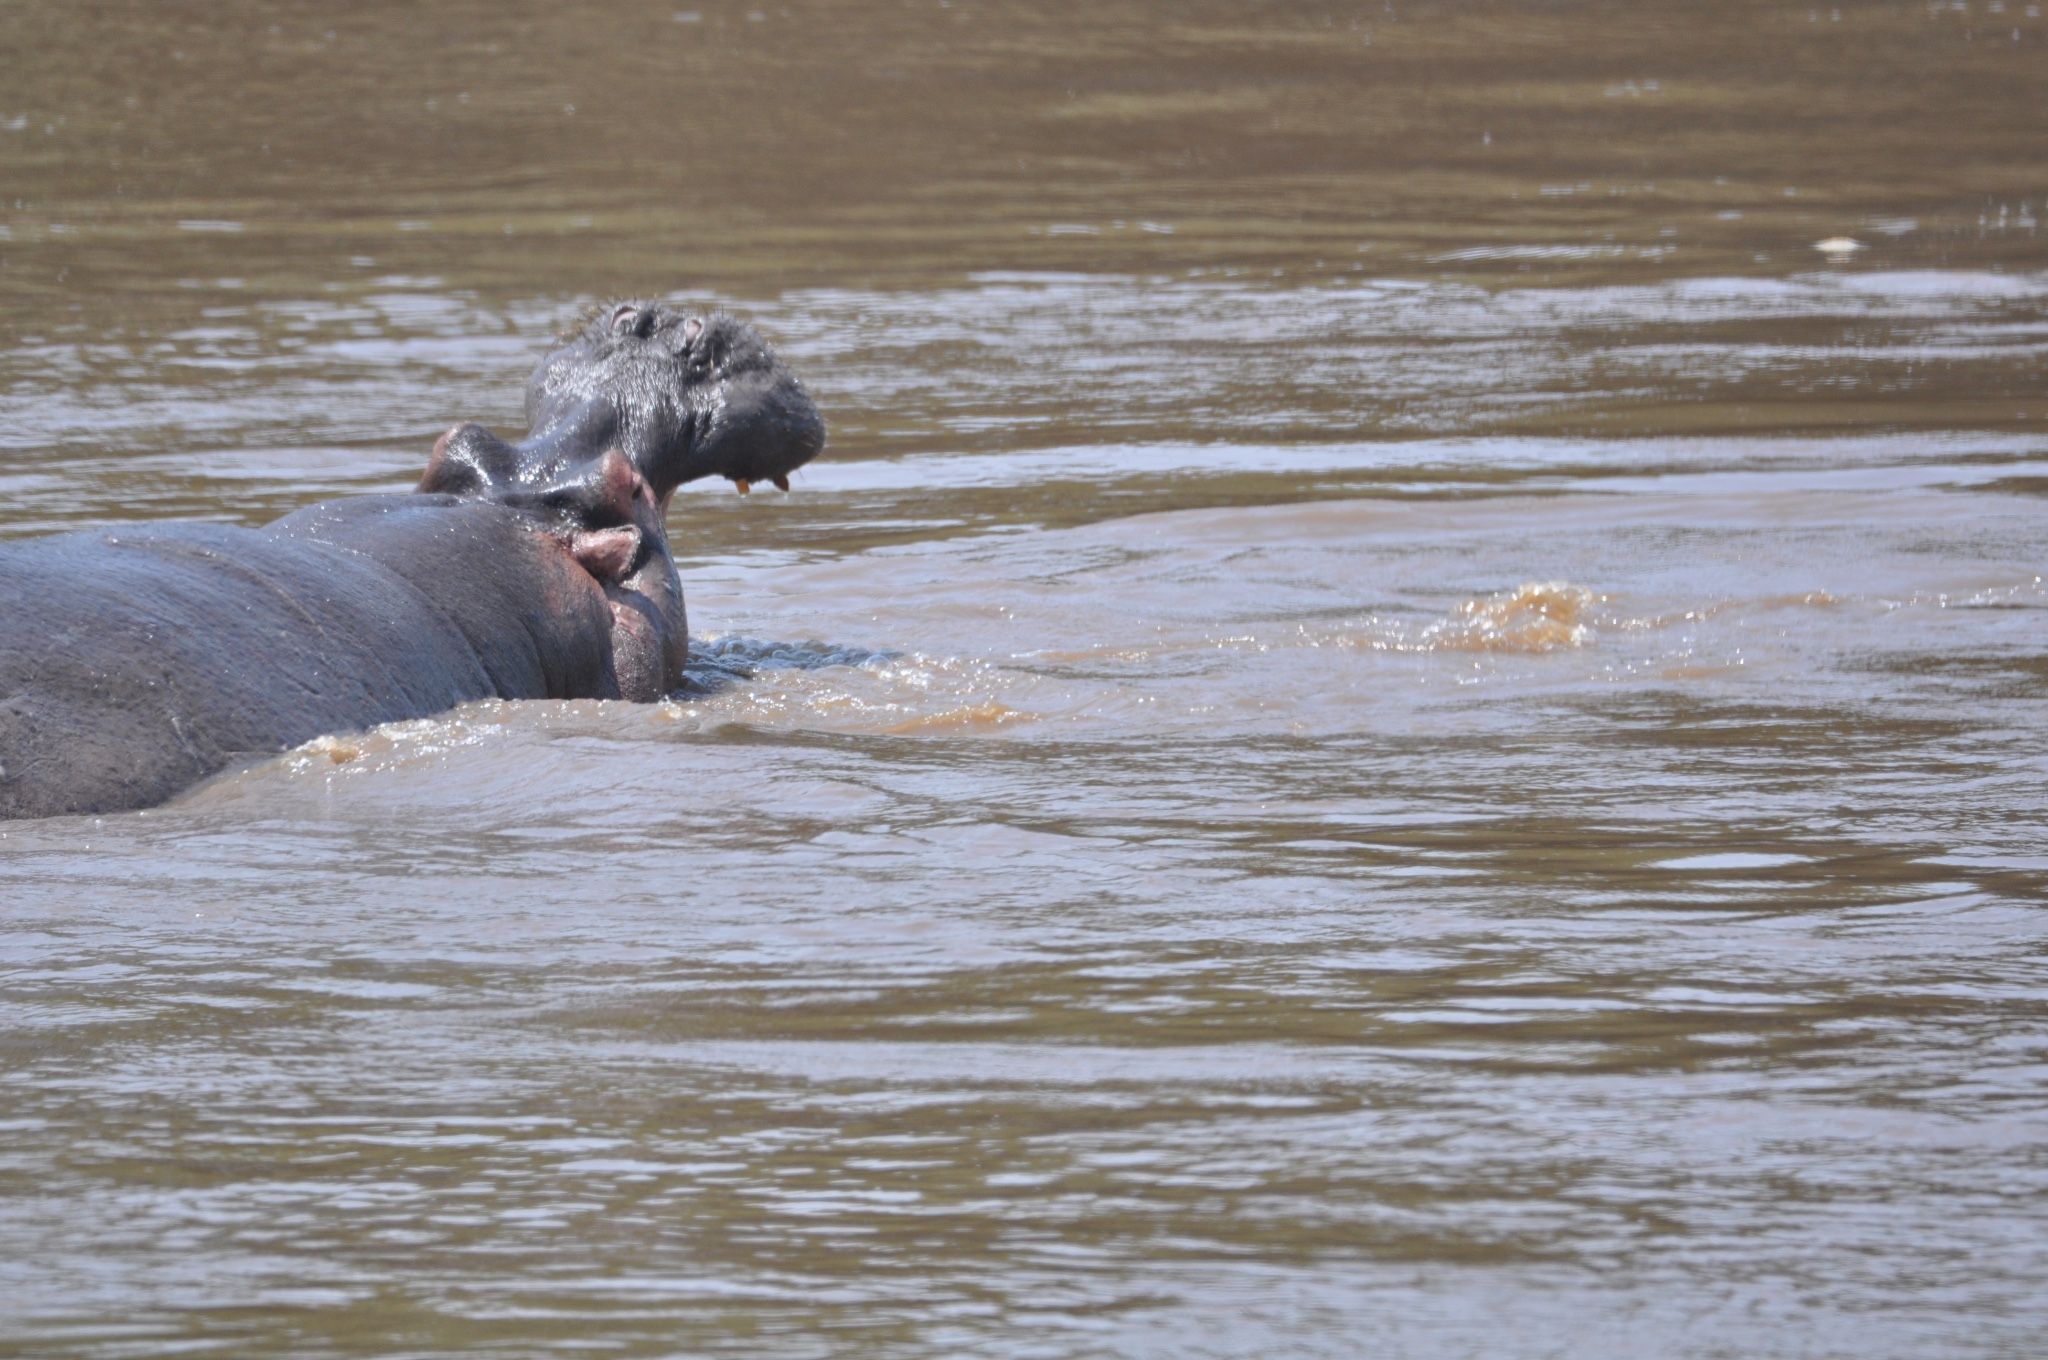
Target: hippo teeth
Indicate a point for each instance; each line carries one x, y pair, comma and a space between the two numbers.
781, 483
743, 484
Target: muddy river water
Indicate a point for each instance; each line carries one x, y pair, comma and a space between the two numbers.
1400, 721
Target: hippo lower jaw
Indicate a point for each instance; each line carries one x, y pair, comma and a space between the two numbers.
763, 428
647, 666
650, 630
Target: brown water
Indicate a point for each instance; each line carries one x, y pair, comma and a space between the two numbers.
1399, 722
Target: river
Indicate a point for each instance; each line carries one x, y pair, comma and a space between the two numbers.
1405, 716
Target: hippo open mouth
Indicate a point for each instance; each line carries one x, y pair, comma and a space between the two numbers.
682, 395
638, 399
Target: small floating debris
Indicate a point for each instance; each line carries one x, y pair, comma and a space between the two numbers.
1838, 247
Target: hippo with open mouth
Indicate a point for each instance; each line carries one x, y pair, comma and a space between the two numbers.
135, 661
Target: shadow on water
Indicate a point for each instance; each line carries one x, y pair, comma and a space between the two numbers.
719, 664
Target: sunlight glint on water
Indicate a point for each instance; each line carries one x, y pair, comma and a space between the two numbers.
1398, 723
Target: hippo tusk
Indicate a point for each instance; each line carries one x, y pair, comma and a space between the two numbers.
781, 482
743, 484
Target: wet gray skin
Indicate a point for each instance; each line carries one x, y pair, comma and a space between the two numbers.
683, 396
640, 399
140, 661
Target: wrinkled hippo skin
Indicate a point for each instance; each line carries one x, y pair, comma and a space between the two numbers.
136, 661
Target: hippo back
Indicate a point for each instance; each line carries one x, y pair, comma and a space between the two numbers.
136, 661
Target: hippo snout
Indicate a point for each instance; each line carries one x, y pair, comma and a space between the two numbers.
765, 428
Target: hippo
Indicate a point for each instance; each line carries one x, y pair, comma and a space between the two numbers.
137, 660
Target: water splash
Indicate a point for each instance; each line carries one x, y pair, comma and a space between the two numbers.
1536, 616
717, 664
400, 743
1533, 618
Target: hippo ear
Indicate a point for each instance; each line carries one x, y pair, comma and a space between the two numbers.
607, 492
469, 459
606, 554
630, 318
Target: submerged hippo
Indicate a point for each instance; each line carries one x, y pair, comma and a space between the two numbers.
135, 661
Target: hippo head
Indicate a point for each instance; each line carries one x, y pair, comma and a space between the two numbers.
682, 395
694, 395
637, 400
606, 516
